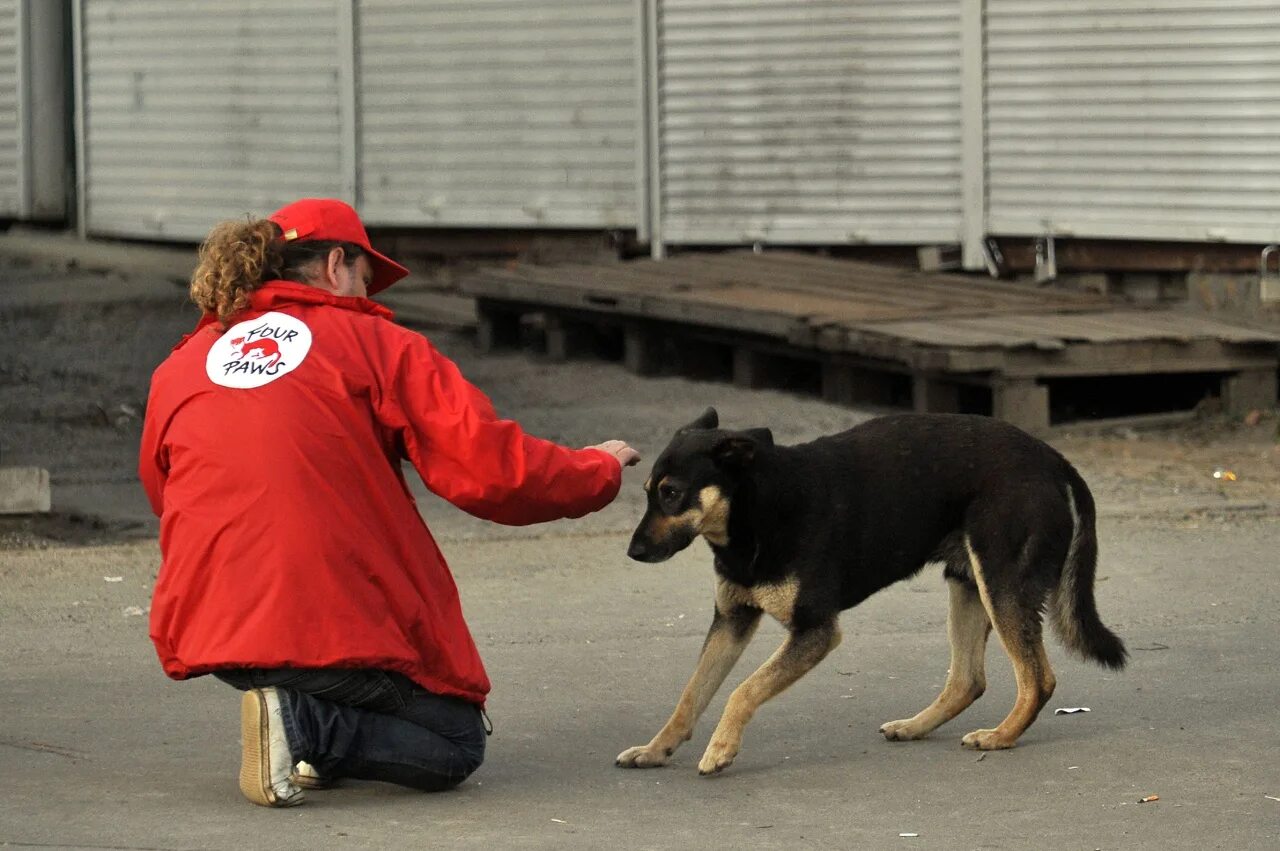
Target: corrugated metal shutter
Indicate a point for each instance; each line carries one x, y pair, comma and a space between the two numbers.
1157, 119
498, 112
822, 121
10, 145
196, 112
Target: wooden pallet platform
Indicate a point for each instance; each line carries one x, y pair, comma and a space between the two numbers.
871, 328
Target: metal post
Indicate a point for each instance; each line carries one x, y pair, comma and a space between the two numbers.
24, 112
77, 64
642, 119
1268, 284
348, 168
653, 105
973, 163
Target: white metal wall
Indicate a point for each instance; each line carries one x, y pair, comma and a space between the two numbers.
1134, 118
10, 112
808, 120
196, 112
498, 112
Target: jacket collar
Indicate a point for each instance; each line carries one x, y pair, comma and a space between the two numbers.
277, 294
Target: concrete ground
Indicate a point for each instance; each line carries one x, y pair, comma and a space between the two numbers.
588, 651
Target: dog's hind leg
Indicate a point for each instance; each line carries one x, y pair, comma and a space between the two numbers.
730, 632
1017, 622
804, 648
967, 627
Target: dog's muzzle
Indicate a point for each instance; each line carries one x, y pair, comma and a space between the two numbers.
647, 551
658, 539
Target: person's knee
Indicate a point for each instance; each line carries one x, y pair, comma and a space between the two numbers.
435, 781
466, 758
471, 757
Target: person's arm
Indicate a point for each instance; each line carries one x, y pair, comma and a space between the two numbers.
485, 465
153, 461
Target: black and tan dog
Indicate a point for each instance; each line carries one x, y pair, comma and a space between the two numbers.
804, 532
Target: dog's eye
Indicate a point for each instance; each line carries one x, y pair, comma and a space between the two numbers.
668, 493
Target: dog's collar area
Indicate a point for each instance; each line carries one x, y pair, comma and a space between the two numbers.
751, 565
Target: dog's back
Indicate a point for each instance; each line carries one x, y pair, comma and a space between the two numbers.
885, 498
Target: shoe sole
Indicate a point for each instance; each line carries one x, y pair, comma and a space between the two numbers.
310, 781
255, 762
308, 784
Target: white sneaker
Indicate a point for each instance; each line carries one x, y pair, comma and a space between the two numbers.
305, 776
265, 761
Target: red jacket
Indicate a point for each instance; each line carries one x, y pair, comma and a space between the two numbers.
288, 534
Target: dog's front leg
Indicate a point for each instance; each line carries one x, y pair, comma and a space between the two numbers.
729, 635
803, 649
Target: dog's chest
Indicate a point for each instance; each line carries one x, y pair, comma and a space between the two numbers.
776, 599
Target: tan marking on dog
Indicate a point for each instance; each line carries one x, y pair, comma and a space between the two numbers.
714, 523
1062, 600
720, 652
967, 628
796, 657
648, 484
709, 518
662, 527
1031, 670
778, 600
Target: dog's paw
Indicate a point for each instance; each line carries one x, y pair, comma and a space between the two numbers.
644, 756
987, 740
905, 730
718, 756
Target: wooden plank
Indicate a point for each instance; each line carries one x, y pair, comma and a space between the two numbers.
803, 272
710, 281
641, 350
1023, 403
1207, 327
940, 328
990, 287
497, 326
870, 344
1132, 358
1116, 326
950, 332
1250, 389
846, 384
566, 338
930, 394
750, 368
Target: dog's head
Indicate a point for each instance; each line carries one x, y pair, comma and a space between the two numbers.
691, 486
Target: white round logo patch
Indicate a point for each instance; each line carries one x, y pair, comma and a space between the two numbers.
259, 351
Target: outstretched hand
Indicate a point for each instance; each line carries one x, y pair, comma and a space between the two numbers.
619, 449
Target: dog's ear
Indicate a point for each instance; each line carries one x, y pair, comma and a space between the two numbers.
709, 419
738, 449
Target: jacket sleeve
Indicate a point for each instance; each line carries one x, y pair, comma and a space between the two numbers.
153, 461
485, 465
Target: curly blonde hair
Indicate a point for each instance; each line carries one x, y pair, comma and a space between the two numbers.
239, 256
236, 258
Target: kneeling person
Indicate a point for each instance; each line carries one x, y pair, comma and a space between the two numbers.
295, 565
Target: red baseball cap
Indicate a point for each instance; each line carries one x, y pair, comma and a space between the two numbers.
331, 219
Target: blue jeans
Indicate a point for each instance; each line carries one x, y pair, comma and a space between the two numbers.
373, 725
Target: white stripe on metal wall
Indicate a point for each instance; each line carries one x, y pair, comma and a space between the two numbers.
1157, 119
498, 112
11, 195
197, 112
823, 121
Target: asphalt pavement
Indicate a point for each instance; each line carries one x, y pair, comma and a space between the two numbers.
588, 652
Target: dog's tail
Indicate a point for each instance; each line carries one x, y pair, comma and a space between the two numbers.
1075, 614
